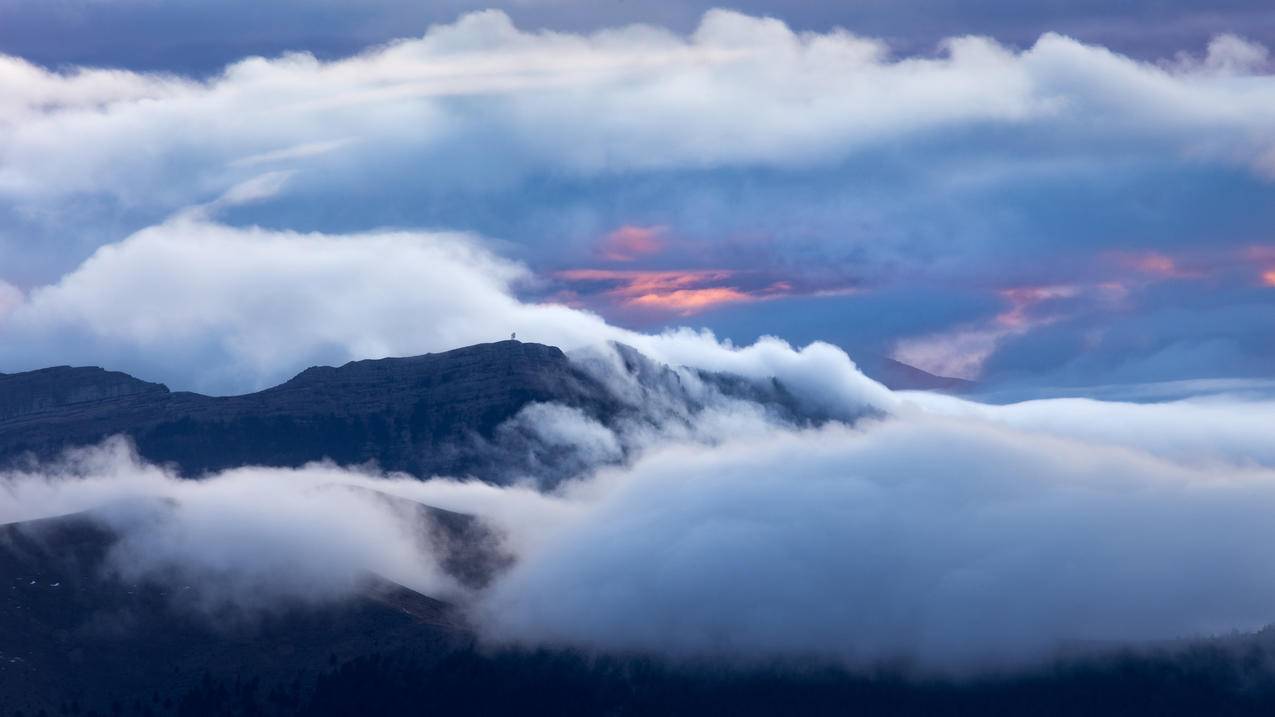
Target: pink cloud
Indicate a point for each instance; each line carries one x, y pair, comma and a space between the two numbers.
962, 351
630, 242
1022, 299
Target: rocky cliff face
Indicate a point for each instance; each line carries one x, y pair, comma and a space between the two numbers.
424, 415
67, 389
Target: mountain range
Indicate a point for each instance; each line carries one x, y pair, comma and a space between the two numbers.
78, 637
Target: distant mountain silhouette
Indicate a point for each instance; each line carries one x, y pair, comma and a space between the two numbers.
906, 377
899, 376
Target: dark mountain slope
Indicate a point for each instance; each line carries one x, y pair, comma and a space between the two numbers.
71, 631
74, 640
424, 415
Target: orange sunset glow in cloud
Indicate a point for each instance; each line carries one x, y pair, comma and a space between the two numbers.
689, 301
679, 292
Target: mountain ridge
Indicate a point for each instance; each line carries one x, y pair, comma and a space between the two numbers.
421, 415
447, 413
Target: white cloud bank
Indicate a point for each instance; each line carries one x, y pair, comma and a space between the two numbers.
950, 543
481, 101
251, 538
240, 308
1205, 431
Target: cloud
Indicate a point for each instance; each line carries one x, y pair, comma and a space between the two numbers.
216, 308
300, 151
1235, 55
683, 293
962, 351
950, 544
958, 353
948, 535
556, 425
1226, 428
739, 90
210, 306
247, 540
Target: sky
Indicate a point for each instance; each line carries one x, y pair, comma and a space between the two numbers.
1037, 196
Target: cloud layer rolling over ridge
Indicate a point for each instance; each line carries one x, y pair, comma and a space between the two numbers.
216, 308
949, 544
